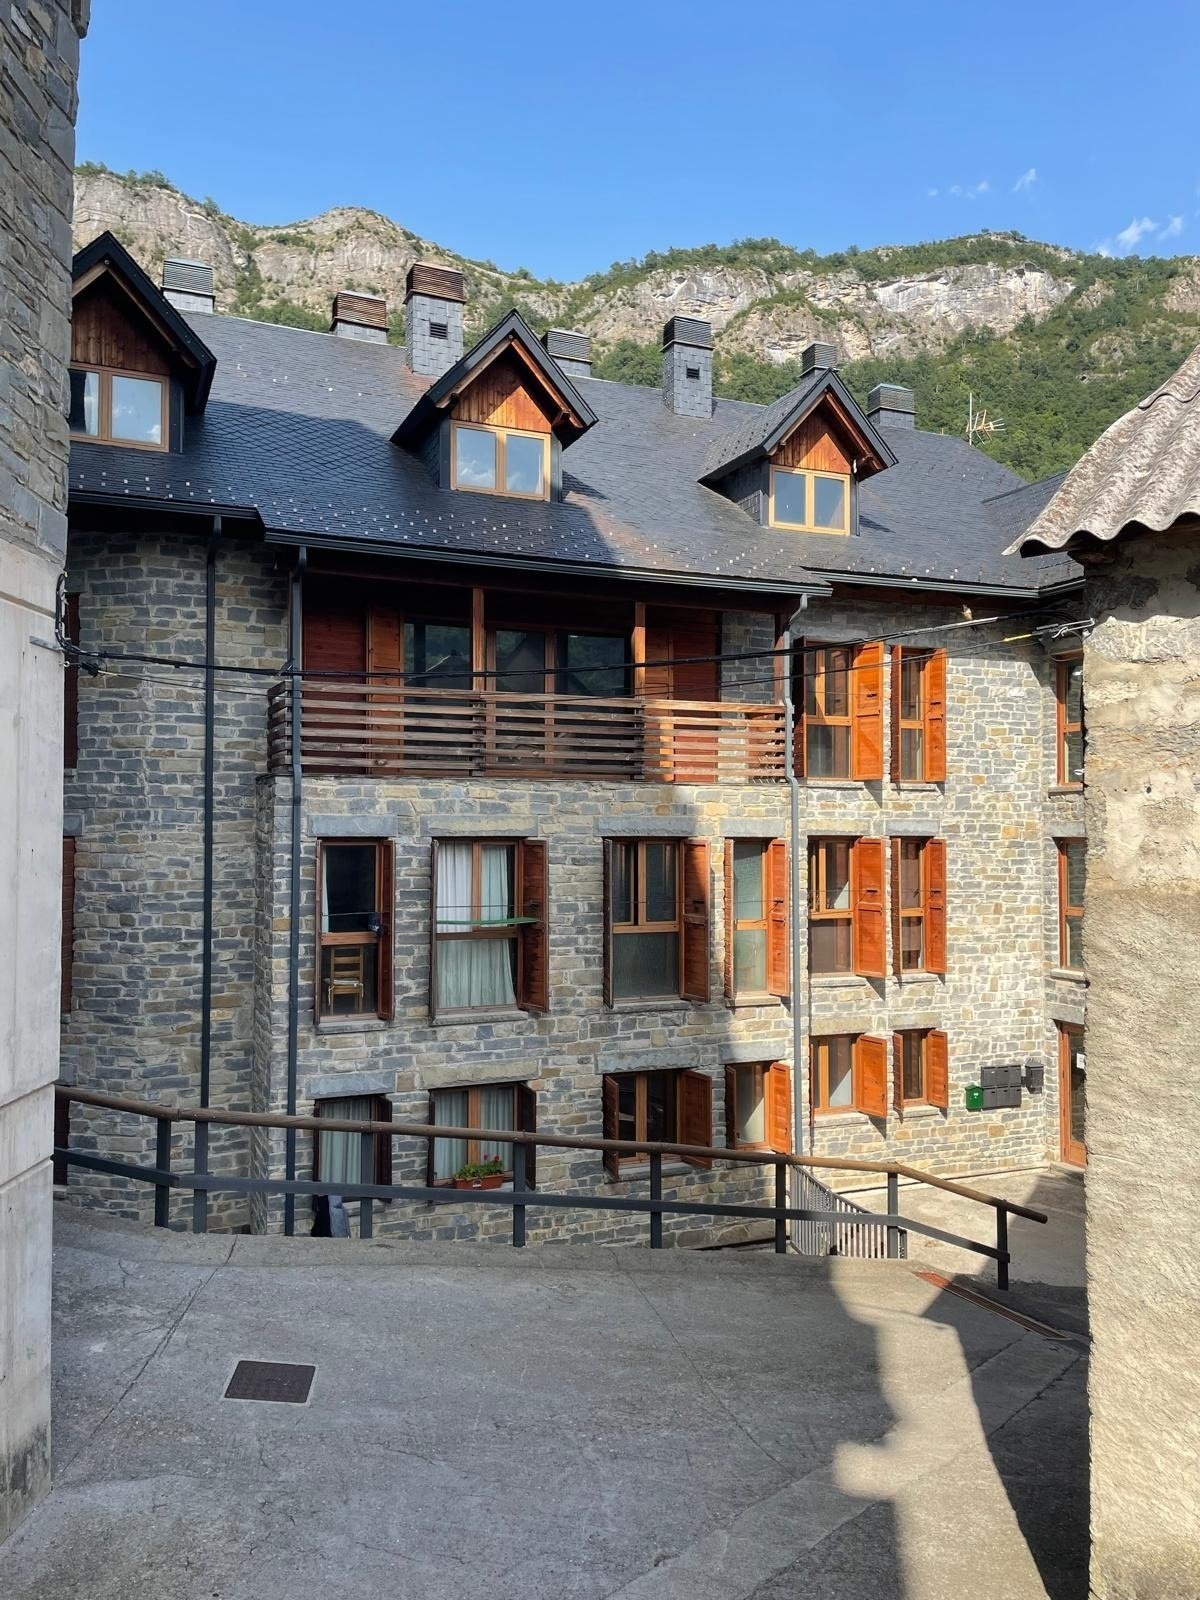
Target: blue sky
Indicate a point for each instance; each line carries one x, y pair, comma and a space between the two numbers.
564, 137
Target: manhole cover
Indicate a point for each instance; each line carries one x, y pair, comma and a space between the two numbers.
270, 1380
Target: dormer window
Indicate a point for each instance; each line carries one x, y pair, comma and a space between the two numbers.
507, 461
811, 502
119, 407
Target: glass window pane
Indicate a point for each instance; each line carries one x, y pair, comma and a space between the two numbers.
910, 875
85, 403
841, 1076
790, 496
1073, 758
829, 502
912, 944
1076, 852
828, 750
836, 854
340, 1155
829, 946
476, 973
645, 965
593, 664
437, 655
627, 1106
348, 893
748, 879
624, 884
750, 1121
1074, 691
910, 686
524, 458
661, 902
496, 1111
137, 409
660, 1106
348, 974
912, 753
837, 682
521, 662
449, 1111
750, 961
912, 1070
474, 458
1075, 943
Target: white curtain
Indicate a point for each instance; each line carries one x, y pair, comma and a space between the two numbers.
473, 972
496, 1111
339, 1160
449, 1111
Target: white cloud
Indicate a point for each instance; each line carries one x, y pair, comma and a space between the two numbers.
1025, 181
1129, 238
1173, 228
932, 193
966, 191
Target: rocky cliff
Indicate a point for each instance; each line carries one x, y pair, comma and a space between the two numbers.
1023, 327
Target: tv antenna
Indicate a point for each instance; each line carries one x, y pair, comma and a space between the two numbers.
979, 424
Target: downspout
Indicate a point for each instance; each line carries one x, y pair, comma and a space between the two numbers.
789, 725
295, 646
200, 1149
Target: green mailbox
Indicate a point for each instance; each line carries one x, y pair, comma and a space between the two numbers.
974, 1097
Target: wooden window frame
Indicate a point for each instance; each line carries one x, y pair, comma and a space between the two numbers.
868, 1076
921, 1037
474, 1156
1067, 913
616, 929
500, 434
774, 1087
864, 709
934, 1061
1062, 726
810, 474
815, 659
684, 1082
381, 1111
510, 930
930, 912
735, 925
552, 671
818, 893
105, 435
382, 940
930, 720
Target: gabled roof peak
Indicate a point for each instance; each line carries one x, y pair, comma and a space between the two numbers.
762, 433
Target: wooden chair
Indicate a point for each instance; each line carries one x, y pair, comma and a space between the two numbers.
346, 974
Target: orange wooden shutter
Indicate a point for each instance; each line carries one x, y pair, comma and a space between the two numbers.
934, 862
695, 634
895, 917
866, 706
696, 978
729, 920
894, 710
318, 898
695, 1113
433, 943
335, 634
534, 955
898, 1075
935, 717
870, 1076
608, 847
610, 1100
730, 1107
866, 888
657, 672
778, 964
526, 1109
777, 1087
67, 974
385, 892
937, 1069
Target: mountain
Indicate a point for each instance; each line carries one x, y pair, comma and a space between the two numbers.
1052, 343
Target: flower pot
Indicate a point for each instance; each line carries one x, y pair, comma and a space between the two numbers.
480, 1183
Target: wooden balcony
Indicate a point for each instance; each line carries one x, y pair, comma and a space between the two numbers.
357, 728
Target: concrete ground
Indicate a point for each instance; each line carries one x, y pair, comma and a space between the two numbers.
560, 1422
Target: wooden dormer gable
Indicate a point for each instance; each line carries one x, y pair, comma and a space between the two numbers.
821, 443
508, 394
121, 322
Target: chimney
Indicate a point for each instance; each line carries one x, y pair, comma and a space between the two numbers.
188, 285
571, 351
818, 358
359, 316
687, 375
433, 318
890, 405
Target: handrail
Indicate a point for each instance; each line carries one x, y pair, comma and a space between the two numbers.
424, 1130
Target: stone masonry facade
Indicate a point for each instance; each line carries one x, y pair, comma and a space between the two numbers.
39, 63
136, 796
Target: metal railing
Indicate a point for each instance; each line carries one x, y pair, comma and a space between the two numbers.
839, 1232
375, 728
890, 1225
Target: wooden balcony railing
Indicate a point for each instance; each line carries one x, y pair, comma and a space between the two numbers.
371, 728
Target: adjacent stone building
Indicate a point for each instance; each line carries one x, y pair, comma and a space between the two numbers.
1130, 513
500, 818
39, 57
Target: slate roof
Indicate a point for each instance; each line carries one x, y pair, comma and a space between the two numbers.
298, 431
1143, 472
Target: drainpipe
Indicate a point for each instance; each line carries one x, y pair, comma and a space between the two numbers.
789, 725
200, 1148
295, 642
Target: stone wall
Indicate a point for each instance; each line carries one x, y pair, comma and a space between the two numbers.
1141, 937
39, 58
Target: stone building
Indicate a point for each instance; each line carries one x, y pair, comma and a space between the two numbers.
512, 844
1130, 513
39, 59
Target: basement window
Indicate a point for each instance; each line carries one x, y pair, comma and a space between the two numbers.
507, 461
